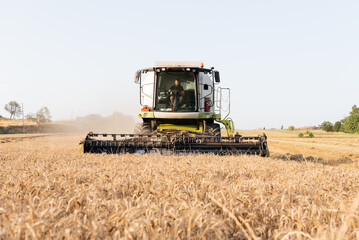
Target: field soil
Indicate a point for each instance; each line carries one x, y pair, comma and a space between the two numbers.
49, 189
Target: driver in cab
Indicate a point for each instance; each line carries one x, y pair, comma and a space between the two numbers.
176, 92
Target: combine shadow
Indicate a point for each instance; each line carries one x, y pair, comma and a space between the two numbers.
302, 158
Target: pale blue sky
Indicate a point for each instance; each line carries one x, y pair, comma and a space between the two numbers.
287, 62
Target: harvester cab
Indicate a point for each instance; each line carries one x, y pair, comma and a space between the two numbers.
182, 96
181, 111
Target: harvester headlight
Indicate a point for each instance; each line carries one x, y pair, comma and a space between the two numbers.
145, 114
207, 115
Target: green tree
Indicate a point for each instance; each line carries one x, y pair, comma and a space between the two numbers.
327, 126
351, 123
337, 126
14, 109
43, 116
355, 110
291, 128
31, 117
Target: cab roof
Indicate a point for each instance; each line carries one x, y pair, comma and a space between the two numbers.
185, 66
179, 64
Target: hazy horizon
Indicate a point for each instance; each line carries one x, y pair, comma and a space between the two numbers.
287, 63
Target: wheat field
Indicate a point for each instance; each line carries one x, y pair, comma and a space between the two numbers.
49, 190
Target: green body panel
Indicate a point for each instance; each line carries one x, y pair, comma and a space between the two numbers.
182, 127
146, 115
209, 115
228, 123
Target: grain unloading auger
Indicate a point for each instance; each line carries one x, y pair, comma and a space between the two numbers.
181, 111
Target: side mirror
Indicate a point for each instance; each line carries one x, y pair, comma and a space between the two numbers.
137, 76
216, 77
205, 86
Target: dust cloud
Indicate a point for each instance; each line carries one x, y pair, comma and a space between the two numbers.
115, 123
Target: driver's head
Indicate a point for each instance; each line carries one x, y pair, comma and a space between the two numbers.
177, 83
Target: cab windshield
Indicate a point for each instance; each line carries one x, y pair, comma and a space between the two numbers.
176, 91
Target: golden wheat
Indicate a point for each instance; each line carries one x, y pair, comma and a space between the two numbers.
50, 190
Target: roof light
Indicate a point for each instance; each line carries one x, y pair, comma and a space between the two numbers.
163, 69
188, 69
202, 65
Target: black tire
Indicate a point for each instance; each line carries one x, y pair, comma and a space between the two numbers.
214, 130
142, 128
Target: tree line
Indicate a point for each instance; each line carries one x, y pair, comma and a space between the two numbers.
40, 117
349, 124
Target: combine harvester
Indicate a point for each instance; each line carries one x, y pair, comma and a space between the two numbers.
181, 111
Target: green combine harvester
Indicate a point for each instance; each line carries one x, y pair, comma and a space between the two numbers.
181, 113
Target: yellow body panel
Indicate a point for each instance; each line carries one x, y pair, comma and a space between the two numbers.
181, 127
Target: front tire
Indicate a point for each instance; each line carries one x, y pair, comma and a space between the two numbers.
214, 130
142, 128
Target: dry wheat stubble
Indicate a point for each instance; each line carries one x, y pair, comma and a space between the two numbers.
49, 190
